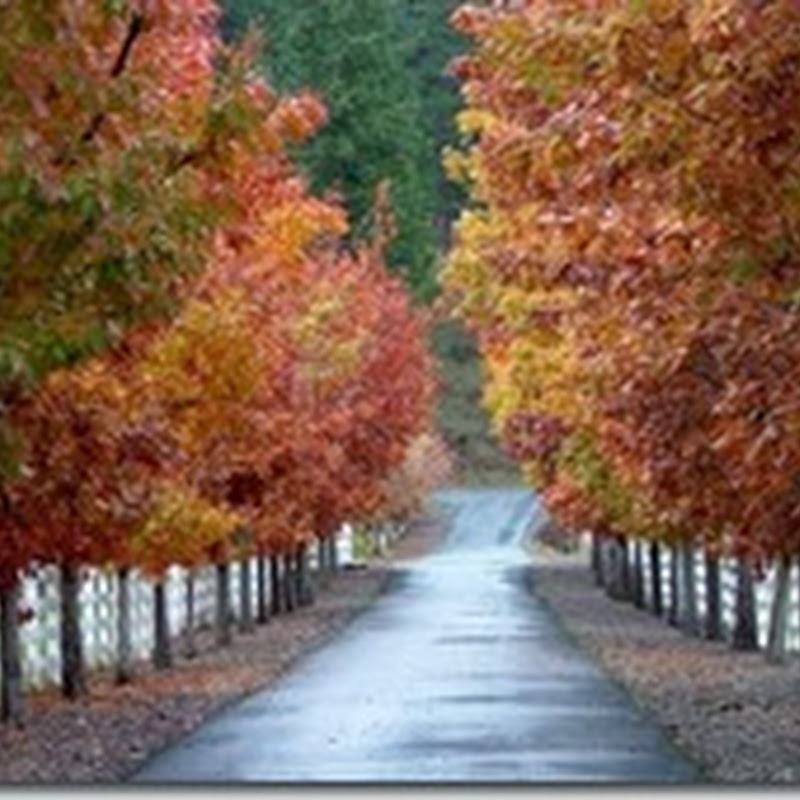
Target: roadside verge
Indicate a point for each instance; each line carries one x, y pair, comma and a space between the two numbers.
736, 715
105, 737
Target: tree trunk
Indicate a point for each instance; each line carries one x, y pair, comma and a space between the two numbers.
275, 586
626, 583
223, 617
73, 670
262, 614
638, 575
189, 642
713, 598
333, 554
305, 588
688, 590
674, 587
289, 584
323, 569
597, 559
607, 564
779, 616
12, 698
619, 583
657, 600
162, 646
123, 667
745, 631
246, 624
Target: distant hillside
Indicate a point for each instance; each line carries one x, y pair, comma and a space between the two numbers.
380, 66
461, 418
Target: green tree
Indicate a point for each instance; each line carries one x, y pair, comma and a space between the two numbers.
379, 65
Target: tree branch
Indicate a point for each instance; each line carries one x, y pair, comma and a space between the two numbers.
135, 29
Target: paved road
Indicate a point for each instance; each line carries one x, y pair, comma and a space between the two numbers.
458, 674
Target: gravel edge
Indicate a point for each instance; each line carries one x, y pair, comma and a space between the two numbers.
733, 714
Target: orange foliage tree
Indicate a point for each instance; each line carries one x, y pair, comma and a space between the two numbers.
257, 377
630, 262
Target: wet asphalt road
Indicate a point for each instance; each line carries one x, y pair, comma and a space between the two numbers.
457, 675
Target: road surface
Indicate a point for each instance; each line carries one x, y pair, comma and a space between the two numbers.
457, 675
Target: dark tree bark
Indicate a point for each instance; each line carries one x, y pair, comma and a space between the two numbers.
657, 600
745, 631
607, 564
246, 623
713, 598
275, 585
618, 583
674, 587
597, 559
305, 589
638, 575
333, 554
626, 578
688, 590
12, 697
189, 643
323, 568
123, 672
73, 669
223, 606
289, 584
262, 611
779, 615
162, 645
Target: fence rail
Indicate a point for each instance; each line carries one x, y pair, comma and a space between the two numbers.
39, 635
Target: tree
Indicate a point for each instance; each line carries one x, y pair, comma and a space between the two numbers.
632, 246
105, 111
373, 68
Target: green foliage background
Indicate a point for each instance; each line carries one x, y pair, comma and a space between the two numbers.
381, 67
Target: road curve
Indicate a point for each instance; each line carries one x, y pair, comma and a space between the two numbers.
457, 675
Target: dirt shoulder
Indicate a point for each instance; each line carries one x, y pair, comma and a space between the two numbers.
734, 714
106, 736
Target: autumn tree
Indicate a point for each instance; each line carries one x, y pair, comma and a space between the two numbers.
103, 111
198, 368
631, 251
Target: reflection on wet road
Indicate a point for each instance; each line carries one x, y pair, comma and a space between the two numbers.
457, 674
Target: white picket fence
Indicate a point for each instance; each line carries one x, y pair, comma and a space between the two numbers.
765, 591
39, 636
